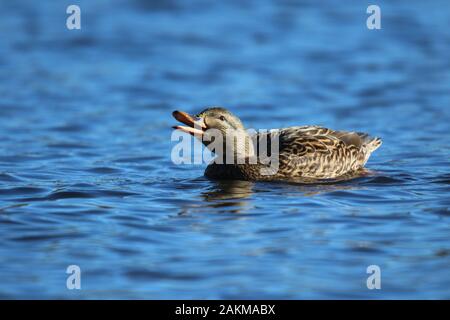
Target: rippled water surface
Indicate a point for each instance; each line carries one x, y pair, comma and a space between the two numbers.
86, 176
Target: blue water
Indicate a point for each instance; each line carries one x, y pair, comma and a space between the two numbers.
86, 176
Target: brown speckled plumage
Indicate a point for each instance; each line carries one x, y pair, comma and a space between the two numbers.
305, 153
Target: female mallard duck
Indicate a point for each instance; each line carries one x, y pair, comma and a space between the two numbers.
304, 152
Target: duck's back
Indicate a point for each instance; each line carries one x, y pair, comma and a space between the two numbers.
317, 152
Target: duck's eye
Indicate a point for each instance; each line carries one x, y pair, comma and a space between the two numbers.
222, 118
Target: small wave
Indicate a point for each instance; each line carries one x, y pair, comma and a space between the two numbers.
21, 190
68, 195
138, 159
69, 128
8, 178
68, 145
444, 179
103, 170
58, 195
384, 180
144, 274
44, 237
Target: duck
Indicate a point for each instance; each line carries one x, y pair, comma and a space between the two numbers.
305, 153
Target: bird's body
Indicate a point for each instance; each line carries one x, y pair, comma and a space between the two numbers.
308, 152
303, 152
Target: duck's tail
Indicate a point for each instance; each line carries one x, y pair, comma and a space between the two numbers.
373, 144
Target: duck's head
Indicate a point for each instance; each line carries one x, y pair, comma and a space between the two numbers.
217, 118
211, 118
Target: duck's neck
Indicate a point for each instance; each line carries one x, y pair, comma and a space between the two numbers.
238, 147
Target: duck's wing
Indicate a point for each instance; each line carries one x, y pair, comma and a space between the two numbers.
318, 152
319, 136
359, 140
308, 140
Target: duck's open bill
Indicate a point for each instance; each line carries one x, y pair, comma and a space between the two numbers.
196, 126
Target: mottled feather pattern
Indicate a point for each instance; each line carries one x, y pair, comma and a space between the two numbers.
309, 152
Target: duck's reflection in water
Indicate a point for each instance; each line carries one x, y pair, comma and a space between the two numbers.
229, 194
240, 197
235, 195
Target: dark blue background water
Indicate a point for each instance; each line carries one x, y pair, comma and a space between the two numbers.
86, 176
